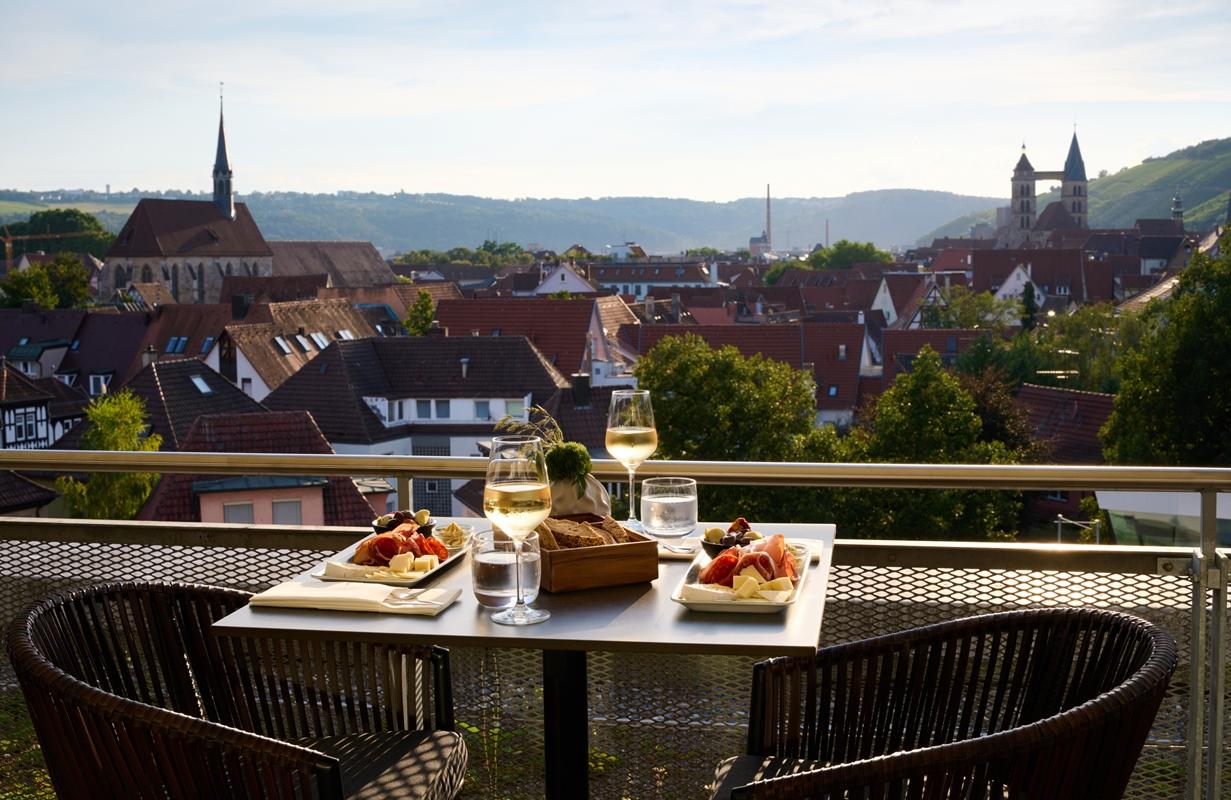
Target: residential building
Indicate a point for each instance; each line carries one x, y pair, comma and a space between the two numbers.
257, 500
105, 349
468, 277
22, 497
901, 346
348, 265
177, 392
431, 395
258, 356
25, 409
655, 278
1066, 423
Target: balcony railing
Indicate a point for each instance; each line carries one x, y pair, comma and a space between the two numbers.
647, 711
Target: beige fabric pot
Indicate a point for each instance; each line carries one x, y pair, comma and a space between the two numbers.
564, 499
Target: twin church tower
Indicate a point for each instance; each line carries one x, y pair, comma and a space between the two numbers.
1070, 211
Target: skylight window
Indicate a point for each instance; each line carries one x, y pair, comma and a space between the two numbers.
304, 344
322, 341
176, 344
345, 334
202, 386
282, 345
207, 344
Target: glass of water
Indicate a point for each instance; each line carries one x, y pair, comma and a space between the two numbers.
669, 506
493, 564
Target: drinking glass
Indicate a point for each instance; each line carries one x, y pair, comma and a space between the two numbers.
516, 498
631, 437
669, 506
494, 566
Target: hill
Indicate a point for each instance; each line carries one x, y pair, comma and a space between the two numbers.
1201, 174
662, 225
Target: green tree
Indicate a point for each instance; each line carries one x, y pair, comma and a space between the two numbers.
420, 315
926, 417
1173, 407
117, 422
702, 252
962, 308
32, 285
845, 254
1030, 307
95, 239
563, 294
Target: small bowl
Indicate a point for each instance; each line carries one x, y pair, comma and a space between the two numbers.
713, 548
426, 530
467, 538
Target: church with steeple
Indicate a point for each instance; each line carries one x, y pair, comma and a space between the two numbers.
189, 246
1021, 225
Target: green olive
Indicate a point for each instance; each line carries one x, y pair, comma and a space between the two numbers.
714, 535
422, 516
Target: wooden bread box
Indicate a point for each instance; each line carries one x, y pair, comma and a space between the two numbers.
571, 569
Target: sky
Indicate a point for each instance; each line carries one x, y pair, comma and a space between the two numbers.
705, 100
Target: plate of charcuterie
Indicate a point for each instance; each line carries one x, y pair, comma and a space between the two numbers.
400, 557
763, 577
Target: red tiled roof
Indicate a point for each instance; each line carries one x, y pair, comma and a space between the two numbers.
952, 258
946, 242
1159, 227
272, 289
899, 347
38, 326
662, 273
182, 228
793, 343
586, 424
349, 264
902, 288
557, 328
1055, 217
265, 432
1067, 420
17, 388
18, 493
109, 344
201, 323
174, 402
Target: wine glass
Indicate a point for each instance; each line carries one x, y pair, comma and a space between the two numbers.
516, 498
631, 437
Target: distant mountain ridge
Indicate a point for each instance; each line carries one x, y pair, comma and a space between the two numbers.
1200, 173
662, 225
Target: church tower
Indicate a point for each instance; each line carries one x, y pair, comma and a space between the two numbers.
1022, 205
1073, 186
1177, 209
224, 192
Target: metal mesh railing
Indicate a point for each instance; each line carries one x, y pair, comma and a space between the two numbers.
659, 723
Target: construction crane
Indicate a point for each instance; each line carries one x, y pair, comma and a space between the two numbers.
10, 238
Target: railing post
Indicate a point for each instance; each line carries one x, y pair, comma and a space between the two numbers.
405, 498
1218, 643
1197, 664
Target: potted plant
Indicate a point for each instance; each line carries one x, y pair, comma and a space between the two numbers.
573, 489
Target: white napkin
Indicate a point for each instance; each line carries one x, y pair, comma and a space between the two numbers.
344, 596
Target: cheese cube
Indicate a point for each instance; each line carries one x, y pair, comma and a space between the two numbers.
745, 586
706, 592
778, 585
752, 572
402, 562
427, 563
773, 596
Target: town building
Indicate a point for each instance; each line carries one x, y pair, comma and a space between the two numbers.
1021, 223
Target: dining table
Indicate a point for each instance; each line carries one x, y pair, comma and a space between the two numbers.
636, 618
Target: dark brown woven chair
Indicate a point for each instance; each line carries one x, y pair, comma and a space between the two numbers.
132, 697
1051, 704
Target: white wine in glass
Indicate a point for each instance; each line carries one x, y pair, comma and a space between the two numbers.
516, 498
631, 437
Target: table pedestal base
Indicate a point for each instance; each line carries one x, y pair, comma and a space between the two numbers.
566, 724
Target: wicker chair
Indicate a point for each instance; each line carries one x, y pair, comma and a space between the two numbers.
132, 697
1049, 704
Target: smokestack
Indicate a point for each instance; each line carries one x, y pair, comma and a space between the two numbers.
769, 228
675, 307
581, 389
826, 233
148, 356
465, 362
648, 305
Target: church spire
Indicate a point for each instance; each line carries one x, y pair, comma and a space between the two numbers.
224, 193
1074, 166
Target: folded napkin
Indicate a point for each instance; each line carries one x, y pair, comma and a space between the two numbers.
343, 596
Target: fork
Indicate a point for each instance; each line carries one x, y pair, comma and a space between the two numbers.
410, 597
675, 548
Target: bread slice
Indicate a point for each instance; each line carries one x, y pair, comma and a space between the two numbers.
577, 534
547, 540
617, 531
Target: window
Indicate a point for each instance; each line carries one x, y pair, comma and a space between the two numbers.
345, 334
841, 352
495, 331
287, 512
237, 513
1057, 496
322, 341
176, 344
401, 409
423, 409
833, 390
207, 344
99, 383
24, 425
67, 378
951, 344
282, 345
431, 486
202, 386
246, 385
304, 344
515, 408
24, 340
442, 409
482, 409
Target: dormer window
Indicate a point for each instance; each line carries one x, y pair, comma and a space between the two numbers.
99, 382
282, 345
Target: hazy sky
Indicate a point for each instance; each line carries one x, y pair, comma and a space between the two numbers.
708, 100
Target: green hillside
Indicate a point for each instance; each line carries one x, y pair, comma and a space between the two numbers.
1201, 174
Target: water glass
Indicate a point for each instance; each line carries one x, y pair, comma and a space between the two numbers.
669, 506
493, 560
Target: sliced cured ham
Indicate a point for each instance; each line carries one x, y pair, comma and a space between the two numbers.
759, 561
722, 569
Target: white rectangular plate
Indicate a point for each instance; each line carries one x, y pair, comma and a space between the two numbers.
344, 557
801, 548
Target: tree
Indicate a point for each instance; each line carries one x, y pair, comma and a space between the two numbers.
702, 252
845, 254
1173, 407
1030, 307
563, 294
419, 316
95, 240
29, 285
117, 422
926, 417
962, 308
61, 283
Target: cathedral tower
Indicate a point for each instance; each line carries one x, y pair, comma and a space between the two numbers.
1073, 186
1022, 205
224, 192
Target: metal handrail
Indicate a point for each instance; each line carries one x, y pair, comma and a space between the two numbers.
899, 476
